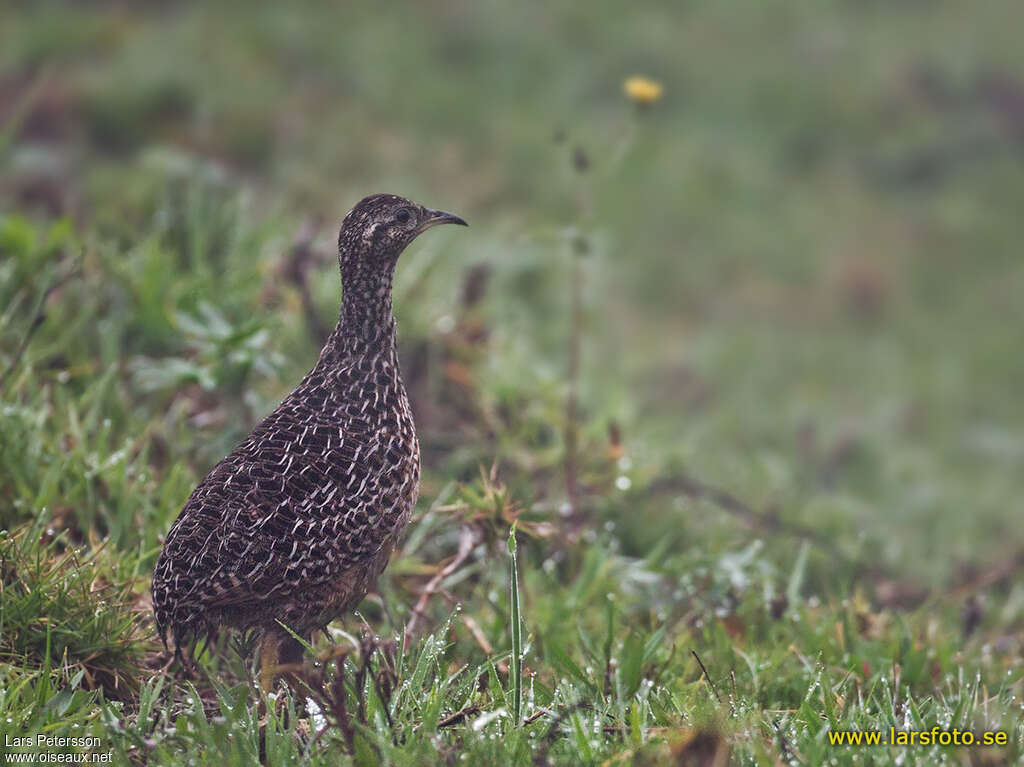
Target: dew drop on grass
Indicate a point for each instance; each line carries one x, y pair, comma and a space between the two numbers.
316, 714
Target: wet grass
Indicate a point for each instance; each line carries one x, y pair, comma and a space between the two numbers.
740, 369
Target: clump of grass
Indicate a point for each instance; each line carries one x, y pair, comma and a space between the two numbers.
46, 700
60, 609
217, 724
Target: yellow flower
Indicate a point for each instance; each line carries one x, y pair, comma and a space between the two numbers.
642, 90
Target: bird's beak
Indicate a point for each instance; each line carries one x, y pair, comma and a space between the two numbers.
435, 217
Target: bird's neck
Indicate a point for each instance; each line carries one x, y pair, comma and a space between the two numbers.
366, 319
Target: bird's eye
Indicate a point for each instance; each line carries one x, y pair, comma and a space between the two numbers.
403, 215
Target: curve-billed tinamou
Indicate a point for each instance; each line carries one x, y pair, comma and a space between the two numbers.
295, 525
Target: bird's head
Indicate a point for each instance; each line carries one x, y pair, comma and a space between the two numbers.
377, 230
372, 237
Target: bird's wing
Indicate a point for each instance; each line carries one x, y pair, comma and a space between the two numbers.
262, 529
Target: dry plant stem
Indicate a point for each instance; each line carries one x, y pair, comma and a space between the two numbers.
726, 501
1002, 571
38, 318
341, 710
706, 675
478, 634
537, 715
458, 716
572, 416
466, 541
572, 402
299, 260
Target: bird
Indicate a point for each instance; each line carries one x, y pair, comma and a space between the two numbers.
294, 526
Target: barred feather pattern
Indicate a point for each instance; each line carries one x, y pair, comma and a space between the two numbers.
297, 522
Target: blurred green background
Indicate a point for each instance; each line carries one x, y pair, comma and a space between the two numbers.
800, 269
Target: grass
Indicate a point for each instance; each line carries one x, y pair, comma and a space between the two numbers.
739, 369
516, 619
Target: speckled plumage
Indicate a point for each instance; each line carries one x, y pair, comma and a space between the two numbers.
297, 522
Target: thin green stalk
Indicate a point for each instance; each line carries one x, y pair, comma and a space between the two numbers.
516, 668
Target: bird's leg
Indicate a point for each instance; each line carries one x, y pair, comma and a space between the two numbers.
277, 651
269, 648
268, 644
